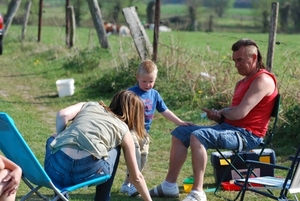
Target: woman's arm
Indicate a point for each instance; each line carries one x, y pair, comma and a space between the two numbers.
135, 176
65, 115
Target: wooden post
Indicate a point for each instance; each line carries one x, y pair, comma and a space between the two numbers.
156, 30
10, 14
24, 27
67, 23
272, 35
40, 20
98, 22
138, 33
71, 16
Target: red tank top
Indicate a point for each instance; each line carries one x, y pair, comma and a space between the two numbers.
257, 120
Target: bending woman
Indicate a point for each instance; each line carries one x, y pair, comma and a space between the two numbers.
90, 146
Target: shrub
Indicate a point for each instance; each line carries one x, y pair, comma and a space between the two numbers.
85, 60
121, 77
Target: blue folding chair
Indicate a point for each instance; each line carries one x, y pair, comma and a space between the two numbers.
15, 148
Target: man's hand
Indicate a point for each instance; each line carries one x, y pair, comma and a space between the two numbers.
213, 114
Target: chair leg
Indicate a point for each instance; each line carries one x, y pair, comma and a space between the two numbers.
33, 190
230, 166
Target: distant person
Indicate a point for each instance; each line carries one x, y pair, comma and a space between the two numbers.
90, 146
241, 126
146, 76
10, 177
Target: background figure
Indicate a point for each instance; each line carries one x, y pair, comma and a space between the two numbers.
241, 126
146, 76
90, 146
10, 177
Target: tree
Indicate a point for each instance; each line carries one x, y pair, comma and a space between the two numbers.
78, 7
150, 12
113, 8
284, 11
261, 14
192, 6
295, 14
218, 6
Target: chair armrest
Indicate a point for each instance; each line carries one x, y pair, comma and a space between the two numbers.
293, 157
253, 164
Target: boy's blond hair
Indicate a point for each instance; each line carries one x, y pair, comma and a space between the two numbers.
147, 67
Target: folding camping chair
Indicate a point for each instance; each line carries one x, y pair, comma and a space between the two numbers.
15, 148
237, 155
266, 185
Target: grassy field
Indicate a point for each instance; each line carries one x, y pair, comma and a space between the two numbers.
28, 72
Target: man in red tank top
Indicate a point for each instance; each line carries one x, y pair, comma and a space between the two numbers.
240, 126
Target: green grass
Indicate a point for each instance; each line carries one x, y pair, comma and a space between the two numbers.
28, 93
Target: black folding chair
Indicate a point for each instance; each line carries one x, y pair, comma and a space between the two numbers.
266, 185
238, 155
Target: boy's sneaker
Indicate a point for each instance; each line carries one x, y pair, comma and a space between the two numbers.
129, 189
162, 191
192, 196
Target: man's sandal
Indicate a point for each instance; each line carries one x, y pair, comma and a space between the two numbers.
161, 191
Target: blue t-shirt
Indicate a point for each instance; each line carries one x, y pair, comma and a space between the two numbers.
152, 100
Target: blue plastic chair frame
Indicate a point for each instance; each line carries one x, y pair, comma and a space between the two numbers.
15, 148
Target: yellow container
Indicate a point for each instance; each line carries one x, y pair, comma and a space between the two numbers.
188, 184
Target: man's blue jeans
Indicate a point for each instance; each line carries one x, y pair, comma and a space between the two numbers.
219, 136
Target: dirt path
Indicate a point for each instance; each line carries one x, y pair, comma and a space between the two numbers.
22, 91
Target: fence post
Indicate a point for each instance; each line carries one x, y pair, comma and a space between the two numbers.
28, 6
72, 26
40, 20
138, 33
272, 35
98, 23
67, 24
156, 30
10, 14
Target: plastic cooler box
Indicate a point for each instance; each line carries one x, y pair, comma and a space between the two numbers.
220, 165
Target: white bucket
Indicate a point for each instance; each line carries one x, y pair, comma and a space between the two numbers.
65, 87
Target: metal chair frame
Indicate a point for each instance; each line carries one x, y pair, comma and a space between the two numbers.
267, 184
237, 154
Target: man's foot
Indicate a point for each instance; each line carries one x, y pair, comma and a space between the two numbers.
162, 191
129, 189
192, 196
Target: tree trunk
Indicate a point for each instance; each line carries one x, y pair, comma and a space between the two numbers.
150, 12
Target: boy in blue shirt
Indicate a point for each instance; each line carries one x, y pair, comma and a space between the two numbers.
146, 76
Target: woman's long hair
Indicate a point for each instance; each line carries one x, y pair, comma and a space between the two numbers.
130, 108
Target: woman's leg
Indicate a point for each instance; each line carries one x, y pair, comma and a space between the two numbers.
103, 190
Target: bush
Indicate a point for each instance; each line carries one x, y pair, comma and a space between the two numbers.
85, 60
289, 128
119, 78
